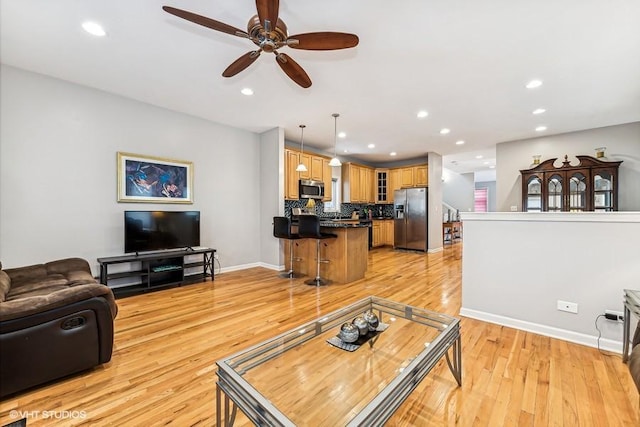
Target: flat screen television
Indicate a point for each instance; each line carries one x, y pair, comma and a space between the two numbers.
146, 231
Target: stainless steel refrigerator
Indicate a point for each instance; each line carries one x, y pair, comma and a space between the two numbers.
410, 218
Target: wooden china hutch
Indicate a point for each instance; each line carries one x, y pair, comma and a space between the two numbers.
591, 185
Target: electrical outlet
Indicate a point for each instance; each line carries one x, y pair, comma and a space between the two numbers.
569, 307
616, 316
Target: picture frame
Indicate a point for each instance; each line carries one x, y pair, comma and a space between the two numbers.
149, 179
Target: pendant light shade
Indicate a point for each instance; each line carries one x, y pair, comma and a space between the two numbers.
301, 167
335, 161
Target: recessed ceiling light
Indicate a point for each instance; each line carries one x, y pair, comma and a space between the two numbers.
371, 145
444, 131
247, 91
346, 151
393, 153
534, 84
538, 111
479, 156
459, 142
94, 29
342, 135
541, 128
422, 114
492, 167
485, 163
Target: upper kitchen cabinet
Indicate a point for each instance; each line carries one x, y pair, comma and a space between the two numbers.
291, 177
395, 182
318, 169
382, 185
591, 185
420, 176
327, 176
414, 176
357, 184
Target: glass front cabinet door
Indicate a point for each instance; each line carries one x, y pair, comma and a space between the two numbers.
533, 201
591, 185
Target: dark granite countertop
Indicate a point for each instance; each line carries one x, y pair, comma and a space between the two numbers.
332, 224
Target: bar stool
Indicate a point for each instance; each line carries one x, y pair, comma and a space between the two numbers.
282, 230
309, 228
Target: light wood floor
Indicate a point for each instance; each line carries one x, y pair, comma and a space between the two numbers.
166, 344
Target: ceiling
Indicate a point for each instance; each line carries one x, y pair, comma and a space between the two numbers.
465, 62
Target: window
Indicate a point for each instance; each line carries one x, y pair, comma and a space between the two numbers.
333, 205
481, 200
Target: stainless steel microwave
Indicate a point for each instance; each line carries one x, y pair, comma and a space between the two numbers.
311, 189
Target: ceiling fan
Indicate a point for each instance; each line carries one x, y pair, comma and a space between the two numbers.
269, 33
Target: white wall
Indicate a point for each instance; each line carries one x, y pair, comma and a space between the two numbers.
622, 142
271, 195
58, 144
434, 203
457, 190
516, 266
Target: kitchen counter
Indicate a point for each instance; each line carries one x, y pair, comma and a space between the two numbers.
341, 224
347, 253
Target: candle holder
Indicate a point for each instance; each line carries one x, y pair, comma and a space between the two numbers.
536, 160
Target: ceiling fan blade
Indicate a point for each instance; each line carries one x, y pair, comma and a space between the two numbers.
268, 10
241, 63
323, 41
205, 22
293, 70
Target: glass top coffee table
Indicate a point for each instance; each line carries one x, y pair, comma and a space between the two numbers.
299, 378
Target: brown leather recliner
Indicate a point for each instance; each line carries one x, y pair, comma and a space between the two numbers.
55, 320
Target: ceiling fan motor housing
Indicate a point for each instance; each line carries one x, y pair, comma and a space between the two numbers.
268, 41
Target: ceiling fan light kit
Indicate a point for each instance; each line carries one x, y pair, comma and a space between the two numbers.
269, 38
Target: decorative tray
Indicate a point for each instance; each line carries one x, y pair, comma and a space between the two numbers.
353, 346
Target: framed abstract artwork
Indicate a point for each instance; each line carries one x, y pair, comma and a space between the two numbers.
150, 179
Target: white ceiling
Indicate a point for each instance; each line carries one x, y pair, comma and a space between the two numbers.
464, 61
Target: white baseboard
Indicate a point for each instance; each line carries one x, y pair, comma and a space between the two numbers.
548, 331
251, 265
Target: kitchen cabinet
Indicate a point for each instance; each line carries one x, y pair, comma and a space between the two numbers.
420, 176
327, 176
382, 231
394, 182
414, 176
388, 234
406, 177
377, 233
357, 184
318, 169
367, 185
591, 185
381, 182
291, 177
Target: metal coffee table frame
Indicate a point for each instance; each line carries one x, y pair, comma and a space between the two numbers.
233, 391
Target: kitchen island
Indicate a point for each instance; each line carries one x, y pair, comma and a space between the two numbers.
347, 254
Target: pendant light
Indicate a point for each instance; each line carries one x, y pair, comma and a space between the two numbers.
335, 161
301, 167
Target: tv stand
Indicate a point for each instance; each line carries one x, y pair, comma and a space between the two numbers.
156, 270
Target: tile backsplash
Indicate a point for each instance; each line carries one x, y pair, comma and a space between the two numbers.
346, 209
